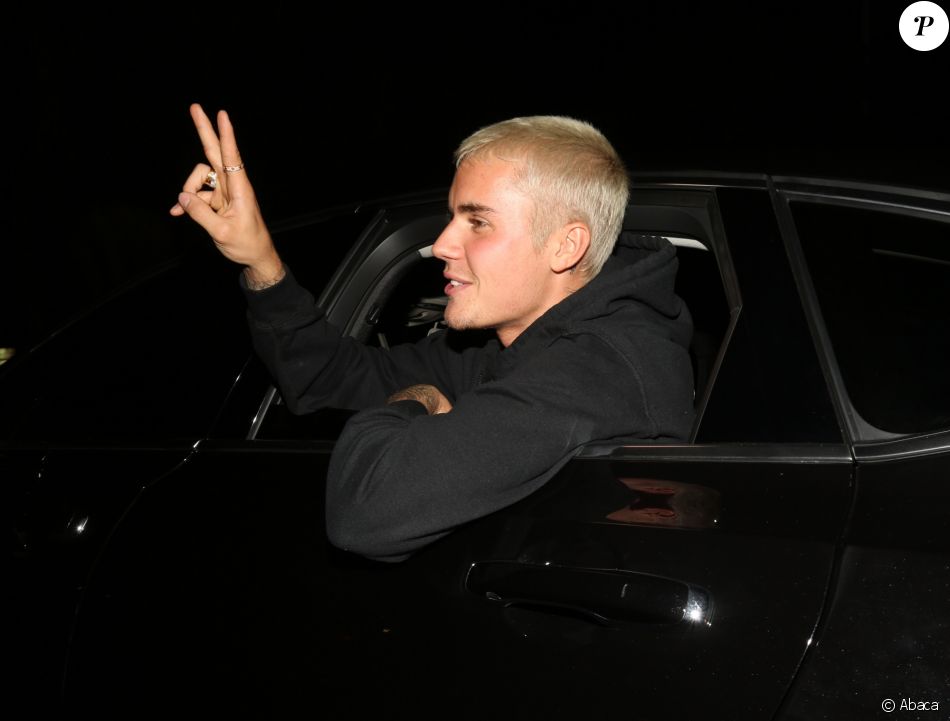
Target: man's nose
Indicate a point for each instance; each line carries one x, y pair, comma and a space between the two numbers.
446, 246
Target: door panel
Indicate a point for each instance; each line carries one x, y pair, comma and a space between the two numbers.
764, 560
242, 578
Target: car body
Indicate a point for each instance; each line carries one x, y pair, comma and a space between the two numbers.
792, 561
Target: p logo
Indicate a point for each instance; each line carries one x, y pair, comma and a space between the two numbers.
924, 25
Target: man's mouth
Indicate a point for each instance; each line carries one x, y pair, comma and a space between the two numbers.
454, 286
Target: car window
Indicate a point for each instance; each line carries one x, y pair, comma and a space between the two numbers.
415, 307
409, 301
769, 386
699, 284
883, 284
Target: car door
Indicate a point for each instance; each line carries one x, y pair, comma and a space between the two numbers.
672, 581
100, 410
876, 261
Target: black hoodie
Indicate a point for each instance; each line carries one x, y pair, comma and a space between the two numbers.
608, 362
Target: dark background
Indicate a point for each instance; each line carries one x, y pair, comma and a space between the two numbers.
333, 109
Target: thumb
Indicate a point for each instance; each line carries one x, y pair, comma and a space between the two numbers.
200, 212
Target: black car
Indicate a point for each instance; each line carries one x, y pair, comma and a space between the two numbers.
164, 519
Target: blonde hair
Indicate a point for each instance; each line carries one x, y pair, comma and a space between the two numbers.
570, 171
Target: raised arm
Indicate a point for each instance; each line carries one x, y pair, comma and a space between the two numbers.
219, 197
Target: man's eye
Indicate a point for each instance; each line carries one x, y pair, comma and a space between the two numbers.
478, 223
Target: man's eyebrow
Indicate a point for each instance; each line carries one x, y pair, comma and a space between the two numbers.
471, 208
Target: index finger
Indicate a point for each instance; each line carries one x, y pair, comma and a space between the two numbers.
209, 139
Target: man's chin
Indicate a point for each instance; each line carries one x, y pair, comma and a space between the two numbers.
456, 324
461, 322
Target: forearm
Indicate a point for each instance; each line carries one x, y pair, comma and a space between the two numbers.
400, 478
313, 365
388, 493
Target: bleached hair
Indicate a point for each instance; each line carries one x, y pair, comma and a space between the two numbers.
570, 171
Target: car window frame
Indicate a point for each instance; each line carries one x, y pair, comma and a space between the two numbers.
396, 234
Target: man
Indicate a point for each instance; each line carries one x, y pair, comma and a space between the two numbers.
447, 432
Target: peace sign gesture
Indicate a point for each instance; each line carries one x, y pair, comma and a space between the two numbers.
219, 197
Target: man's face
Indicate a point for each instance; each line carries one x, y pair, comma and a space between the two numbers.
496, 277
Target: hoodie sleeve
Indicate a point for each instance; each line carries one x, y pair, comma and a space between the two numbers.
316, 367
400, 478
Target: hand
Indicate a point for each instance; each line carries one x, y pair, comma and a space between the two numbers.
229, 212
429, 396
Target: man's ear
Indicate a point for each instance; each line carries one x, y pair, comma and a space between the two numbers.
570, 245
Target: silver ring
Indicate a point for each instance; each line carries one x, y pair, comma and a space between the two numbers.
233, 168
211, 179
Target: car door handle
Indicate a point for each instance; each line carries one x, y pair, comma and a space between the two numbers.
602, 595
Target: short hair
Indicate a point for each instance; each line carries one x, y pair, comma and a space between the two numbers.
570, 171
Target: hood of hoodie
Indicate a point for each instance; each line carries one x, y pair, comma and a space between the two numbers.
635, 286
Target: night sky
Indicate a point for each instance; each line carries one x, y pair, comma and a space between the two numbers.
333, 110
